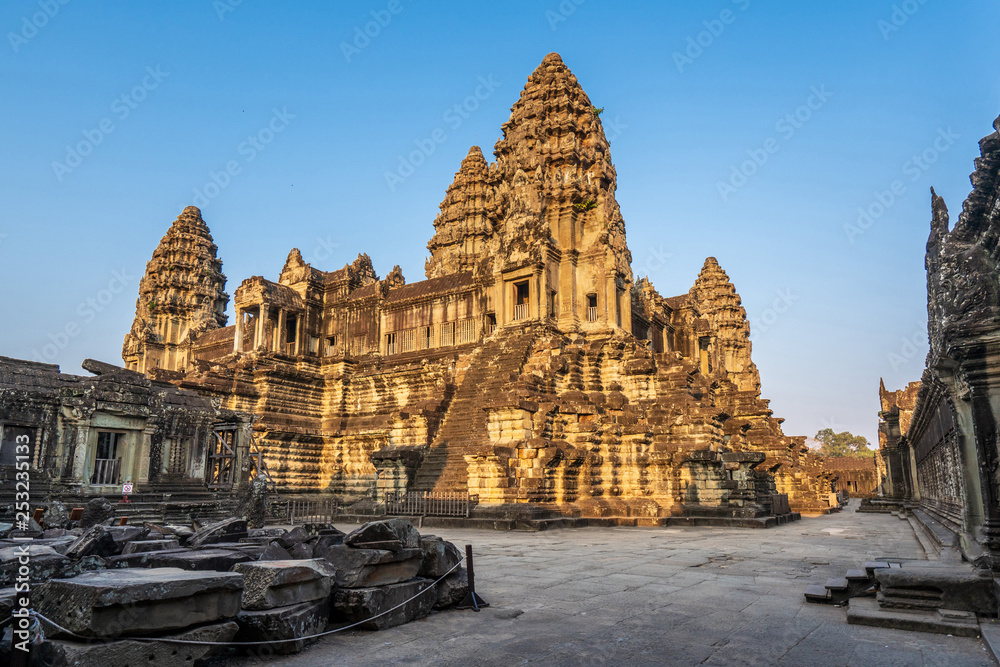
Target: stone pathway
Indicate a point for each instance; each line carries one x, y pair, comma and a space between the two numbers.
655, 596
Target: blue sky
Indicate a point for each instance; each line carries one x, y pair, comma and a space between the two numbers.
750, 131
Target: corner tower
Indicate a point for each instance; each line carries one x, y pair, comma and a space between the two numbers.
181, 295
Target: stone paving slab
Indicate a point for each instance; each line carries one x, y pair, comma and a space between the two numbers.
659, 596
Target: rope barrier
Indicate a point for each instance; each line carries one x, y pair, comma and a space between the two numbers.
168, 640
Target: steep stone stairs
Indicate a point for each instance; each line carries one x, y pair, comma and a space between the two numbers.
498, 362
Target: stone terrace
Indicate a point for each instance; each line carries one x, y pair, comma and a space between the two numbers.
674, 596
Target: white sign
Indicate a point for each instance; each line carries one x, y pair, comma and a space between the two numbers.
126, 488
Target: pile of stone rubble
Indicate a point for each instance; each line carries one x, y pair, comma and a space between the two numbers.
104, 591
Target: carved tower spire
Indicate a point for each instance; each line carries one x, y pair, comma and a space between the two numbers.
181, 296
463, 225
716, 300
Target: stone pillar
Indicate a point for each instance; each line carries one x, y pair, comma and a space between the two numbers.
280, 335
258, 339
238, 338
140, 468
81, 455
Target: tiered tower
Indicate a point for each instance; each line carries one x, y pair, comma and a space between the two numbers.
181, 296
716, 300
542, 220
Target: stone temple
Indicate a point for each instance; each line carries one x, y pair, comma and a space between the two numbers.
529, 368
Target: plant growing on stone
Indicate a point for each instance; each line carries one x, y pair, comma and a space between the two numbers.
597, 111
586, 204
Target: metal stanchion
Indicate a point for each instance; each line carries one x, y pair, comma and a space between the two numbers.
472, 600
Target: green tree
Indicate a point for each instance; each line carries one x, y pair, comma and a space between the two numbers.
842, 444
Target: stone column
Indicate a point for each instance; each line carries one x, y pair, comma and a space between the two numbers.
238, 338
81, 455
258, 340
279, 335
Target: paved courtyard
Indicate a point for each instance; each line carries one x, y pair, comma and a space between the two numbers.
658, 596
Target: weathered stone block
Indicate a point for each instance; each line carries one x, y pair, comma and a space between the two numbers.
285, 623
146, 546
295, 536
361, 604
385, 531
43, 563
439, 557
96, 541
220, 560
96, 511
227, 530
452, 589
301, 551
278, 583
130, 602
65, 653
275, 552
358, 568
956, 588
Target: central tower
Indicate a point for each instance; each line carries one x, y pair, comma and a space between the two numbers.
542, 223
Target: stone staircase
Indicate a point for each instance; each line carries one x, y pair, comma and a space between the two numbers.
496, 364
920, 595
856, 583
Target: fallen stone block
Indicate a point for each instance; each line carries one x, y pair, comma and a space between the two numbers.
182, 533
452, 589
328, 539
133, 602
253, 550
95, 512
122, 535
63, 653
294, 536
387, 530
265, 532
360, 568
56, 516
140, 559
279, 583
54, 532
301, 551
146, 546
285, 623
220, 560
8, 601
364, 604
43, 563
439, 557
227, 530
96, 541
274, 552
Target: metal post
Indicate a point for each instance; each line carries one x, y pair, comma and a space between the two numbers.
471, 600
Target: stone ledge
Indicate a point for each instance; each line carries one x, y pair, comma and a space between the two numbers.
865, 611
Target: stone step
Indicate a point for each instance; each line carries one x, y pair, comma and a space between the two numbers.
866, 611
817, 593
872, 565
857, 575
837, 584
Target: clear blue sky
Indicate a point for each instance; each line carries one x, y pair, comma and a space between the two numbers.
161, 95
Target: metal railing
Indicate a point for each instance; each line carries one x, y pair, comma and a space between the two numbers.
521, 311
106, 471
312, 511
427, 503
591, 313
